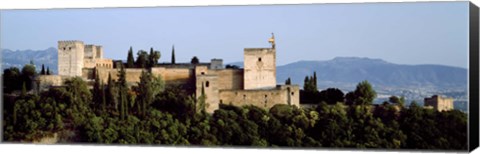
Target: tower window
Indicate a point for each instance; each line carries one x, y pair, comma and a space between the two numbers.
259, 59
207, 84
64, 48
292, 93
69, 48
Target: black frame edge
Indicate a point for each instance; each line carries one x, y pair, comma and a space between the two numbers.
473, 109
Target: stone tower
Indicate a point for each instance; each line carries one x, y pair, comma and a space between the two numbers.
70, 58
260, 68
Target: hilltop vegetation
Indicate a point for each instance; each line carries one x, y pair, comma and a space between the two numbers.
153, 113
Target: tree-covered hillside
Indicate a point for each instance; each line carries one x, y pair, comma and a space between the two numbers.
154, 114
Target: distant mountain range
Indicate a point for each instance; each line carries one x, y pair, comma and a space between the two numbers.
346, 72
340, 72
19, 58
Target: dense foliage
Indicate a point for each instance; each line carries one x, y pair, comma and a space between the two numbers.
154, 113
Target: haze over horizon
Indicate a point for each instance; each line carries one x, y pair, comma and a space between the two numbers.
401, 33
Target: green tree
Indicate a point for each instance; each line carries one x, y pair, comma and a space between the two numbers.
42, 72
28, 73
309, 84
306, 84
394, 99
202, 104
48, 71
364, 93
97, 92
142, 59
288, 81
145, 92
173, 54
12, 79
122, 93
104, 98
130, 59
24, 90
112, 94
331, 95
195, 60
153, 57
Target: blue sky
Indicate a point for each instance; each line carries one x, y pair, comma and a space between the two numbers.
403, 33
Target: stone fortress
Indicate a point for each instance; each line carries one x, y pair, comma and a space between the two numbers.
255, 84
439, 103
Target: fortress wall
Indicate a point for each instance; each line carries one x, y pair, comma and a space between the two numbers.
445, 104
99, 53
210, 85
88, 63
87, 74
201, 70
169, 75
439, 103
229, 78
44, 82
263, 98
70, 58
54, 80
132, 74
260, 68
90, 51
105, 63
174, 75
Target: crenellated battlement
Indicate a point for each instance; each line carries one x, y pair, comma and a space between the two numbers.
257, 49
69, 41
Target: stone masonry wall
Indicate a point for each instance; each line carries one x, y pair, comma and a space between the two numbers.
260, 68
169, 75
210, 86
439, 103
262, 98
70, 58
229, 78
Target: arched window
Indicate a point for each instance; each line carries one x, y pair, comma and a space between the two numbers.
207, 84
260, 59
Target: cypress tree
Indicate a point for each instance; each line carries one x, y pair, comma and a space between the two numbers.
122, 85
110, 92
24, 90
42, 72
173, 54
305, 83
104, 99
48, 71
96, 89
288, 81
130, 60
315, 81
151, 58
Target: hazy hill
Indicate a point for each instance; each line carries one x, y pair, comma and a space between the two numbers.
351, 70
346, 72
19, 58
